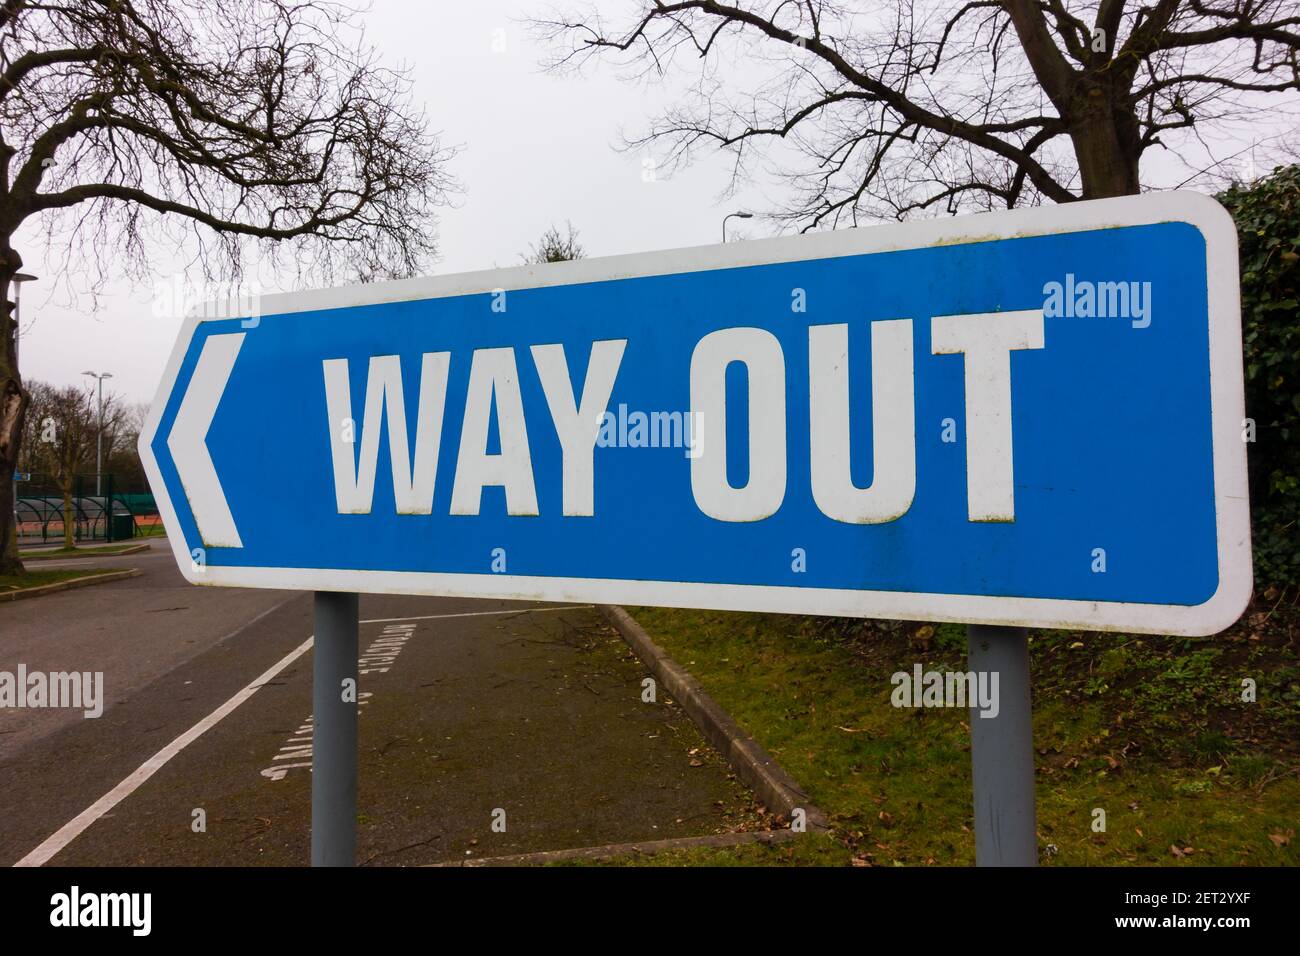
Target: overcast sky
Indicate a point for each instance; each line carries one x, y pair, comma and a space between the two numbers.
537, 150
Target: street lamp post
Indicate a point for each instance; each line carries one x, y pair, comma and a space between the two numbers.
18, 279
734, 215
99, 436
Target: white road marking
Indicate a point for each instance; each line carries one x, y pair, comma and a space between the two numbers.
520, 610
80, 823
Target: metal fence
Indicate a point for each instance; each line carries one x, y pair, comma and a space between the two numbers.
97, 511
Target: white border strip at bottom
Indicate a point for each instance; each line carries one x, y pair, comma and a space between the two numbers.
1216, 614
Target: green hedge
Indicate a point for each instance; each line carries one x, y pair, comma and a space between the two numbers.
1267, 214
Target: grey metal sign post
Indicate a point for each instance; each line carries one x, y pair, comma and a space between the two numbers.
1002, 750
334, 733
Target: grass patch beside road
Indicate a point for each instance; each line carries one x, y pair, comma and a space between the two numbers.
36, 579
1150, 729
108, 550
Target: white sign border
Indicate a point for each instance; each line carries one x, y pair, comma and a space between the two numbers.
1227, 400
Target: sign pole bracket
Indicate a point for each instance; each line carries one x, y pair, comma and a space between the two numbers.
334, 730
1002, 750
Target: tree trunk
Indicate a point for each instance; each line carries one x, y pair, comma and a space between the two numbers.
9, 563
1105, 145
13, 409
69, 519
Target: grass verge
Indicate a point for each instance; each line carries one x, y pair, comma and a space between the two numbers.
1151, 730
36, 579
98, 551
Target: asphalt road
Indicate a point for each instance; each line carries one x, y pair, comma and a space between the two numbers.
473, 712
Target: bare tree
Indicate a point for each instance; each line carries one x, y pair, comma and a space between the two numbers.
234, 120
886, 108
556, 246
121, 451
63, 428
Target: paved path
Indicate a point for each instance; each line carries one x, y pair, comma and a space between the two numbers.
486, 706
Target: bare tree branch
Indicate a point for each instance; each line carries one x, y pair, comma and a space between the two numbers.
868, 110
264, 121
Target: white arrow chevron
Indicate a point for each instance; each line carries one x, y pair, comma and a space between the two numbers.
189, 446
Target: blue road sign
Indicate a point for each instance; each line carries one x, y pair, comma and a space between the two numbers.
1032, 417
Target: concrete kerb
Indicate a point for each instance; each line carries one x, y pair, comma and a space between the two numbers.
613, 851
68, 585
98, 552
756, 768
